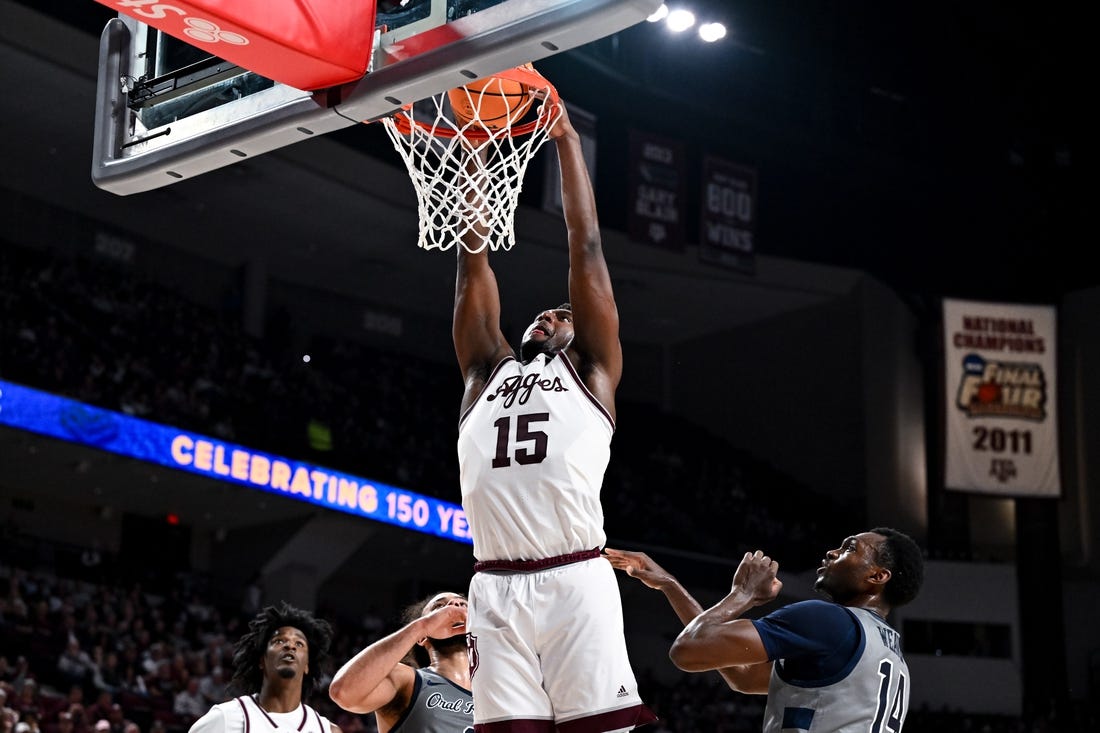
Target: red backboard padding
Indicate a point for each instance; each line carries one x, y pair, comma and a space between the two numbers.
306, 44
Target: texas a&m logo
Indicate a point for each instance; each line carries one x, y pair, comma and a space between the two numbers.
200, 30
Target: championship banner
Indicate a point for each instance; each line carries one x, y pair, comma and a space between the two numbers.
727, 227
656, 195
1000, 394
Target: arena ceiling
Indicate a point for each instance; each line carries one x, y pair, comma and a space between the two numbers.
938, 147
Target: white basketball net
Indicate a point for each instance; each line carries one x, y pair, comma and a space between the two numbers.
467, 181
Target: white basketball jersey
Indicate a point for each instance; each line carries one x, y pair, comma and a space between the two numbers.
532, 451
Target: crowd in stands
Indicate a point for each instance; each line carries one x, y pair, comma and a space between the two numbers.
93, 330
78, 656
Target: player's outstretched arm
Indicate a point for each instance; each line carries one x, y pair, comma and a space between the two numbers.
595, 315
375, 679
479, 342
748, 678
641, 566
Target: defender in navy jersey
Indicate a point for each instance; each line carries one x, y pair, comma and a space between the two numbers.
545, 626
827, 666
275, 665
417, 679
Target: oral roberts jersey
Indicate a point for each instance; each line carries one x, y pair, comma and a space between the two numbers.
870, 696
438, 706
532, 452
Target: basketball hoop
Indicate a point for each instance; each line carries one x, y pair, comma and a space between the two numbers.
468, 173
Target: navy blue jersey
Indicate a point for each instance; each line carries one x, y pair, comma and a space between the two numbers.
836, 669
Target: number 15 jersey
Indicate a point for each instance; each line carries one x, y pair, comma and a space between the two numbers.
532, 452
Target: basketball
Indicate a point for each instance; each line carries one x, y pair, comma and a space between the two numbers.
493, 102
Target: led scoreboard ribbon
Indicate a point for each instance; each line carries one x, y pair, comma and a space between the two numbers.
76, 422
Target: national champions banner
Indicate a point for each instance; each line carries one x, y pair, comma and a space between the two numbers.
1000, 395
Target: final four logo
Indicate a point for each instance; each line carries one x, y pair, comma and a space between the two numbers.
1002, 389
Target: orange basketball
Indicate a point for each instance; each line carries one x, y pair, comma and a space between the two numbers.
495, 102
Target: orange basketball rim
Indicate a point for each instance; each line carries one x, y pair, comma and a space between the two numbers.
525, 75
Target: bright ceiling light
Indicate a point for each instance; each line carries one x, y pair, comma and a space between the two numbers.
658, 14
711, 32
680, 20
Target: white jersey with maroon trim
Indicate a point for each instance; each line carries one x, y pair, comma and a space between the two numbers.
244, 715
532, 453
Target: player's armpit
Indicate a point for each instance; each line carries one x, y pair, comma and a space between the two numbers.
750, 679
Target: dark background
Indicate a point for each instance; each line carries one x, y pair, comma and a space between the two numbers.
939, 148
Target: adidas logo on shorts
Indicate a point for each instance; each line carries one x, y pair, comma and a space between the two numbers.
622, 691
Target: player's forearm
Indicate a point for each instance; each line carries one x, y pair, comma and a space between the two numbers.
476, 328
577, 197
354, 685
682, 602
718, 637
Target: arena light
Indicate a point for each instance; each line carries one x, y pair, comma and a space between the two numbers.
658, 14
711, 32
680, 20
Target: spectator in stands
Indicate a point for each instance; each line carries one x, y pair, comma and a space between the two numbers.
380, 679
74, 665
190, 703
101, 708
30, 719
64, 723
81, 722
116, 719
824, 660
8, 719
110, 678
26, 697
212, 686
275, 667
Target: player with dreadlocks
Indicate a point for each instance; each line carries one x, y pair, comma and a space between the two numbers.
275, 666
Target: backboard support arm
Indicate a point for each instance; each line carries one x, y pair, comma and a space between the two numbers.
128, 158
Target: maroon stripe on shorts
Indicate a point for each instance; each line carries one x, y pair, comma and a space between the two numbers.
516, 726
631, 717
527, 566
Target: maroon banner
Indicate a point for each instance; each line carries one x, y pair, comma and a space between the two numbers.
727, 230
656, 190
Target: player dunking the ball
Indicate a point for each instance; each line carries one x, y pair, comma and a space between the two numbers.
545, 618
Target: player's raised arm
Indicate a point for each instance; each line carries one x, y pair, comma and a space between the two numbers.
596, 317
479, 342
719, 637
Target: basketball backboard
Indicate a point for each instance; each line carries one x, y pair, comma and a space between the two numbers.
167, 110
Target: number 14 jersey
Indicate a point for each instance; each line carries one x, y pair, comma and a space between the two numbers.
532, 452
